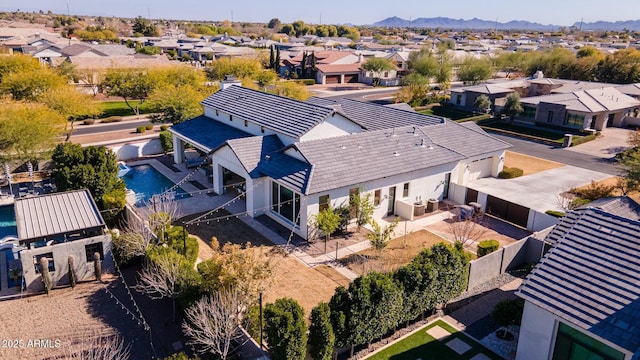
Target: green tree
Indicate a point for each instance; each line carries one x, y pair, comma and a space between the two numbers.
327, 221
18, 63
474, 70
416, 280
376, 66
423, 63
620, 67
93, 168
380, 236
512, 106
143, 27
28, 131
70, 103
175, 104
363, 208
321, 336
482, 103
274, 24
452, 269
239, 67
149, 50
285, 329
265, 78
29, 84
630, 163
290, 89
129, 84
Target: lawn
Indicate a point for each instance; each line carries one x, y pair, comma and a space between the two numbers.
555, 136
448, 112
399, 252
120, 108
421, 345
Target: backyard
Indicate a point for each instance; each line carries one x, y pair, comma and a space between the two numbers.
438, 340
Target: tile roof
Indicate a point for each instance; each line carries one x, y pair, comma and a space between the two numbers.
338, 68
207, 132
376, 117
590, 101
287, 170
280, 114
59, 213
357, 158
75, 49
250, 150
590, 277
622, 206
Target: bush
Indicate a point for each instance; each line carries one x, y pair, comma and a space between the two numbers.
583, 139
555, 213
508, 312
486, 247
166, 141
510, 173
89, 121
593, 191
164, 127
176, 240
111, 119
306, 81
149, 126
141, 129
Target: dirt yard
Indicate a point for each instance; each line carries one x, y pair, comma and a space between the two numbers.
529, 164
399, 252
612, 181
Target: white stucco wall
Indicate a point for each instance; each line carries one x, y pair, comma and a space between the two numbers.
137, 149
537, 333
336, 125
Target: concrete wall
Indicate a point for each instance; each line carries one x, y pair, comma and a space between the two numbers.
559, 114
137, 149
61, 252
484, 268
537, 333
539, 221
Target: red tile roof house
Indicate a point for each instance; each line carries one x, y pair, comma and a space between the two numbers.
295, 158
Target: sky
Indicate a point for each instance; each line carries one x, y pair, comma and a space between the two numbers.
357, 12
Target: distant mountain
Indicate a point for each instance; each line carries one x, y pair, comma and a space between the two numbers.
479, 24
608, 25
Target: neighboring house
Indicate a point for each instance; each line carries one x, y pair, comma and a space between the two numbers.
332, 66
582, 301
296, 158
56, 226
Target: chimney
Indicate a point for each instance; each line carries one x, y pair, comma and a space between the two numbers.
229, 80
360, 58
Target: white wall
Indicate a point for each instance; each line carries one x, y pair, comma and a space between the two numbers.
336, 125
537, 333
137, 149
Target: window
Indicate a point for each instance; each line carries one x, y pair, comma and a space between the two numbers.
386, 74
571, 344
91, 249
323, 202
230, 117
217, 112
285, 202
36, 262
262, 129
550, 116
246, 123
458, 99
528, 112
376, 197
574, 120
405, 190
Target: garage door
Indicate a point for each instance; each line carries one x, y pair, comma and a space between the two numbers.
506, 210
353, 78
332, 79
480, 168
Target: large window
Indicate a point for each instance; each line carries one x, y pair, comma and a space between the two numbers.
285, 202
376, 197
323, 203
575, 120
571, 344
91, 249
528, 112
36, 262
405, 190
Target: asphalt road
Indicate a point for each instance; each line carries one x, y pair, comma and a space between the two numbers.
561, 155
374, 95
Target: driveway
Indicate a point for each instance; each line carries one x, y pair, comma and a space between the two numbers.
612, 141
538, 191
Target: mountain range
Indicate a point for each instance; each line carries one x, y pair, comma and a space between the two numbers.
479, 24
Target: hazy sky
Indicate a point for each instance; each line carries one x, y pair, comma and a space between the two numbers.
557, 12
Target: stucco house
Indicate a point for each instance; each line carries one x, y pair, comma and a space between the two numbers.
295, 158
582, 301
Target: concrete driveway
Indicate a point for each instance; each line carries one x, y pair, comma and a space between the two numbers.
611, 142
538, 191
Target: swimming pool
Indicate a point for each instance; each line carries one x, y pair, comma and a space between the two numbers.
146, 181
7, 221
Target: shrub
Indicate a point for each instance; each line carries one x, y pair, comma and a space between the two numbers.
486, 247
164, 127
510, 173
89, 121
166, 141
593, 191
111, 119
508, 312
176, 240
306, 81
149, 126
583, 139
555, 213
286, 329
141, 129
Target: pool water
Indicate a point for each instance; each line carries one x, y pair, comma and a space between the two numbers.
7, 221
146, 181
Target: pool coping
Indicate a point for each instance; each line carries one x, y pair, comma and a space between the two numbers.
176, 178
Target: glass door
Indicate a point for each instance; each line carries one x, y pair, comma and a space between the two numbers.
391, 209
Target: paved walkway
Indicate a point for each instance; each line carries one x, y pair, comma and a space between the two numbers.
606, 146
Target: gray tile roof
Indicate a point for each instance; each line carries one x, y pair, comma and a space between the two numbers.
622, 206
590, 278
289, 171
321, 101
59, 213
280, 114
376, 117
207, 132
251, 150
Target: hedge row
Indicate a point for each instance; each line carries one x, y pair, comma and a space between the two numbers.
486, 247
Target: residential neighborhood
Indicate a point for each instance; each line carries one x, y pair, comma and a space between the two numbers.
287, 189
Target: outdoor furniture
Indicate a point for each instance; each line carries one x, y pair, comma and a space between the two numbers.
194, 162
466, 212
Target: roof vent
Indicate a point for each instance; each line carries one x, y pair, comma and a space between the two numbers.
343, 147
395, 153
267, 157
422, 143
430, 147
414, 131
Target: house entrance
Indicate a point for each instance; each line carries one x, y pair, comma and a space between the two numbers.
391, 209
610, 120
